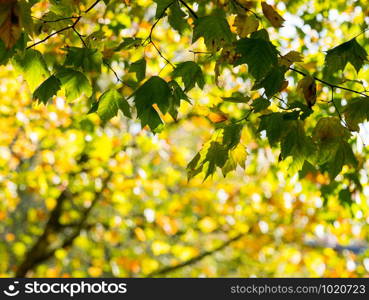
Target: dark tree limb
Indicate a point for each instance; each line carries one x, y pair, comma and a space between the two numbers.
41, 250
195, 259
38, 252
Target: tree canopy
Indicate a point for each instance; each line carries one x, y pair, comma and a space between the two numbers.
182, 137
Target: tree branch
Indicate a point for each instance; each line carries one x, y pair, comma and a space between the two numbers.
189, 9
149, 38
38, 252
116, 75
41, 250
78, 18
247, 9
195, 259
331, 85
92, 6
52, 34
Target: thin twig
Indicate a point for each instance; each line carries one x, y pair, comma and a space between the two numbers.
337, 110
92, 6
78, 18
56, 20
189, 9
49, 36
80, 37
200, 52
161, 55
247, 9
245, 118
331, 85
116, 75
149, 38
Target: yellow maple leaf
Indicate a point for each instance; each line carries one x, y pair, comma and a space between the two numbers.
273, 17
290, 58
10, 29
245, 25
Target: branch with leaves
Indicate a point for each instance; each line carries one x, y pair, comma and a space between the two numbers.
73, 26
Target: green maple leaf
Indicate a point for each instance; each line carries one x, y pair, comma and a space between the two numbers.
109, 103
139, 67
212, 155
343, 155
177, 17
348, 52
215, 31
272, 82
273, 124
32, 66
330, 128
356, 112
63, 8
232, 135
260, 104
333, 149
85, 58
46, 90
151, 118
129, 43
259, 55
177, 94
237, 98
54, 21
190, 73
216, 156
223, 150
297, 144
154, 91
74, 83
236, 157
260, 34
161, 6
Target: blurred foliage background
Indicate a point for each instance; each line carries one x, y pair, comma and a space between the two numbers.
80, 197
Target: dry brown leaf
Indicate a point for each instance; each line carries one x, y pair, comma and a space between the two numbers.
308, 87
274, 18
284, 85
10, 29
245, 25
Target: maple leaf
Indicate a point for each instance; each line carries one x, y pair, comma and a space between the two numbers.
47, 89
245, 25
290, 58
348, 52
356, 111
260, 55
273, 17
308, 87
191, 73
10, 29
215, 31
